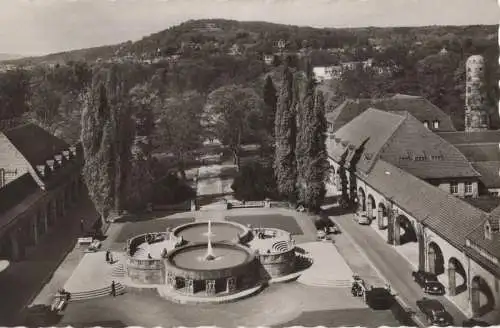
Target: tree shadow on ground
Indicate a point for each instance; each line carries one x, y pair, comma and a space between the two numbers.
138, 228
278, 221
147, 216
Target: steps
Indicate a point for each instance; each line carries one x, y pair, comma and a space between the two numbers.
118, 270
329, 283
91, 294
280, 246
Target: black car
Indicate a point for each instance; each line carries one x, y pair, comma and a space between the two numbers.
428, 282
435, 312
475, 323
380, 299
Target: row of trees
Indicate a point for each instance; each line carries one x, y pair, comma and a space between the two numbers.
300, 162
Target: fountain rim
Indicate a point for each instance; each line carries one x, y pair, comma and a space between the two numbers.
171, 265
244, 231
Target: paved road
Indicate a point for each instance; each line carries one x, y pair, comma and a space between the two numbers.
391, 264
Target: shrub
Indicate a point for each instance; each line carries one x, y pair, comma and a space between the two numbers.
172, 190
255, 182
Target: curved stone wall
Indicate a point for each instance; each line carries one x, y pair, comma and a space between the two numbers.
248, 266
144, 271
277, 264
147, 272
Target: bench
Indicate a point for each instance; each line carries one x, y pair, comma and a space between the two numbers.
58, 304
85, 240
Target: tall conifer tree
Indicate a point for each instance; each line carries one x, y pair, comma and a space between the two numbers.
285, 137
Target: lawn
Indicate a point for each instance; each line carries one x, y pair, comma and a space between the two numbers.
132, 229
278, 221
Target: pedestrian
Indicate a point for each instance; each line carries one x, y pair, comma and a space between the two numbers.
82, 225
111, 260
107, 256
113, 289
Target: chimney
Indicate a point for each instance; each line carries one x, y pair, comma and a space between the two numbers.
66, 154
50, 163
41, 169
58, 158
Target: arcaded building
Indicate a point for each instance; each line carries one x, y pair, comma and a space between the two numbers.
39, 180
413, 177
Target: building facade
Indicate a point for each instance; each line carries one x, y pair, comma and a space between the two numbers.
45, 184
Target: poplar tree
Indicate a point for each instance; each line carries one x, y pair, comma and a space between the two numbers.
270, 100
106, 139
317, 167
285, 132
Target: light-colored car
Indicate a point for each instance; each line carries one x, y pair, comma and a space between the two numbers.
362, 218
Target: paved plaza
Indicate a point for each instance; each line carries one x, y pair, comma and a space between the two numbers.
320, 296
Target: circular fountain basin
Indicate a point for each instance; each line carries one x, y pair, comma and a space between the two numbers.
189, 261
197, 232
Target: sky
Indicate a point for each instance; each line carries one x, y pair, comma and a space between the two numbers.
35, 27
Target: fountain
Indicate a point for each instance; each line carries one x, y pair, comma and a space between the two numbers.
210, 253
218, 258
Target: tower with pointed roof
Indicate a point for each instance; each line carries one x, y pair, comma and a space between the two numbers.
476, 114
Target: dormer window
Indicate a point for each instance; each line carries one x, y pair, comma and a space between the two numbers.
487, 230
426, 124
435, 124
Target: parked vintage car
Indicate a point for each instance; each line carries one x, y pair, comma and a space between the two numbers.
435, 312
429, 282
362, 218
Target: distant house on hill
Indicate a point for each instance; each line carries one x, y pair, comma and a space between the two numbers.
269, 59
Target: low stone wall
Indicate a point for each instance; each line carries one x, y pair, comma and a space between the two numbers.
277, 265
146, 272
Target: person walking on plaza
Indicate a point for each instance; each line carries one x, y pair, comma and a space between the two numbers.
108, 256
82, 225
111, 260
113, 289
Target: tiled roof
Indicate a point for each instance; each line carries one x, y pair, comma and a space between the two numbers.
485, 203
441, 159
399, 138
480, 152
489, 171
463, 138
491, 246
417, 106
35, 144
371, 130
445, 214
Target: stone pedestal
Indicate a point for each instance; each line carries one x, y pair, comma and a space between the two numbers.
210, 287
171, 281
190, 286
230, 285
